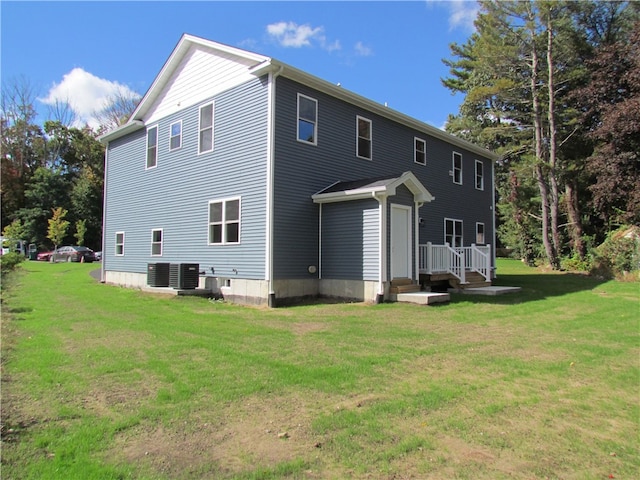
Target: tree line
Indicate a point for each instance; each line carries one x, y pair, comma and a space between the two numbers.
554, 88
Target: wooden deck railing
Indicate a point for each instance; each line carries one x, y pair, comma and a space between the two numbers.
456, 261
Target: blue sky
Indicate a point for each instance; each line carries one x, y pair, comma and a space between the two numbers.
390, 52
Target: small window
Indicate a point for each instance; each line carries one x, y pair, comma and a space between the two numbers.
420, 151
453, 232
307, 119
479, 175
205, 137
175, 135
363, 146
224, 221
156, 242
480, 233
152, 147
119, 244
457, 168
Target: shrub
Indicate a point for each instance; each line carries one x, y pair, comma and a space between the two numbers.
619, 254
9, 262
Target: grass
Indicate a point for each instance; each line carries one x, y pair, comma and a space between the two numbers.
101, 382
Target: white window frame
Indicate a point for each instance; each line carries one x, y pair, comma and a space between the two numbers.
455, 170
155, 152
370, 139
119, 246
314, 122
416, 152
155, 243
224, 221
452, 242
200, 129
480, 234
172, 136
479, 175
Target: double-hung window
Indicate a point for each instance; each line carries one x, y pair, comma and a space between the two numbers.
363, 142
456, 169
152, 147
420, 151
156, 242
479, 175
119, 244
453, 232
175, 135
480, 233
205, 129
307, 119
224, 221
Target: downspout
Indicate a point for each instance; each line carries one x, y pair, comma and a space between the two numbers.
416, 242
493, 218
104, 215
270, 167
320, 243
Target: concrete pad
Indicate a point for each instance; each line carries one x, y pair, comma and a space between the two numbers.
423, 298
492, 290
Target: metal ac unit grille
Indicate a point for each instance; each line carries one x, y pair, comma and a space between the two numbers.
184, 276
158, 274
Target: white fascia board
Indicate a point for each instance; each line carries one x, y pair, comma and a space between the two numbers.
129, 127
415, 186
345, 195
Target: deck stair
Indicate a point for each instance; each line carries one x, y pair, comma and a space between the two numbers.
473, 280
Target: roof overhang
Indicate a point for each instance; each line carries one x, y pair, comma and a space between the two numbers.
375, 189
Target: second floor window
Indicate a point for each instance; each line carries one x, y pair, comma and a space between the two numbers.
175, 135
307, 119
420, 151
457, 168
363, 146
205, 137
224, 221
479, 175
152, 147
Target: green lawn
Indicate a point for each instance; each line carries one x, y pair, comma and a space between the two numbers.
101, 382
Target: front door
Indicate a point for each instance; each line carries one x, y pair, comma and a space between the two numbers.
400, 241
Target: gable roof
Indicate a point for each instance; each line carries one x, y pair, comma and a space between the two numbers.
370, 187
258, 65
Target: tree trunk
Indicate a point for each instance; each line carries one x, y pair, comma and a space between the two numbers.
553, 163
575, 222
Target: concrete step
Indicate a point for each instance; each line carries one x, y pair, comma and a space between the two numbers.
489, 290
423, 298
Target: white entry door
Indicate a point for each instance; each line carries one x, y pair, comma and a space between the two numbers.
400, 241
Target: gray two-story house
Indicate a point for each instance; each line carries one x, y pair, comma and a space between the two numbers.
280, 185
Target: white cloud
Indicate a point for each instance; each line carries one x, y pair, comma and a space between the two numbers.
363, 50
462, 13
86, 95
290, 34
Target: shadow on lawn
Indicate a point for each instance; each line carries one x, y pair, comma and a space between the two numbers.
535, 286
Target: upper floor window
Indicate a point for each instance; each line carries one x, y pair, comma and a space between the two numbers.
175, 135
224, 221
307, 119
205, 129
152, 147
479, 175
156, 242
456, 168
119, 244
363, 146
480, 233
453, 232
420, 151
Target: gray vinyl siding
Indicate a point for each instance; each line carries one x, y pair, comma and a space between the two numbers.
175, 195
301, 170
350, 240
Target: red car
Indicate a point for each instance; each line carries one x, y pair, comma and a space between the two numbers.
44, 256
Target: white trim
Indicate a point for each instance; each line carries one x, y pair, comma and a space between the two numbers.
213, 109
315, 122
115, 250
453, 167
416, 240
146, 155
370, 157
171, 136
415, 150
475, 180
155, 243
320, 243
407, 210
224, 222
383, 242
